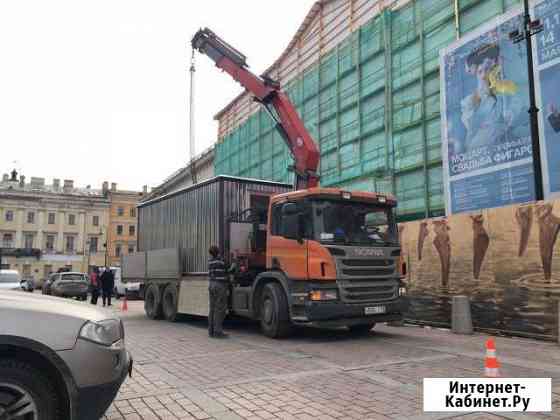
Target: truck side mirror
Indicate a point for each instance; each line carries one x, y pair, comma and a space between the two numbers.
289, 209
290, 227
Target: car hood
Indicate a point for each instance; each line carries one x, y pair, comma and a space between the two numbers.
52, 321
53, 305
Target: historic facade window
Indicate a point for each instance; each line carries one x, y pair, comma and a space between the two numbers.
28, 240
8, 240
49, 244
70, 243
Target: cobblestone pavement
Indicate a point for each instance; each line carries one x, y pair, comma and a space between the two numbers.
180, 373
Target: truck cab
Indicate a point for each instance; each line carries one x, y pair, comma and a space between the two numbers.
332, 259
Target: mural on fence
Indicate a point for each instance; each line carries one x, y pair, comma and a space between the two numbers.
506, 259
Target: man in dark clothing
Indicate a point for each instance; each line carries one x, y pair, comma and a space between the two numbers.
218, 293
107, 285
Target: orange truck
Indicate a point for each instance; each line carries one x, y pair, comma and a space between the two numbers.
299, 255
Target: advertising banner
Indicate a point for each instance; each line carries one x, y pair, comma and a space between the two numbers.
547, 75
486, 142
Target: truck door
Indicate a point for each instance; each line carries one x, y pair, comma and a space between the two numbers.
287, 242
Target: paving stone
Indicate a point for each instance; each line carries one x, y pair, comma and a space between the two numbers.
180, 373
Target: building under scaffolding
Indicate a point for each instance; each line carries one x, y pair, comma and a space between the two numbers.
364, 76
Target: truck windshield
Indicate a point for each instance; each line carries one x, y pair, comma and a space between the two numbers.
354, 223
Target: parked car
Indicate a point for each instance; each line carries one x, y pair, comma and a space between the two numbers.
10, 280
64, 359
28, 284
128, 289
70, 284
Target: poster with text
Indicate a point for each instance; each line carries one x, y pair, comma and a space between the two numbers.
486, 141
547, 69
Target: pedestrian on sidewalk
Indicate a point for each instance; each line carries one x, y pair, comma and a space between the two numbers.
218, 293
95, 285
107, 285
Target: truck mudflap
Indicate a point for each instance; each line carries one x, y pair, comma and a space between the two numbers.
344, 314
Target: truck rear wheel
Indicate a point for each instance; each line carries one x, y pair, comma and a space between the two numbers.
169, 303
152, 302
274, 313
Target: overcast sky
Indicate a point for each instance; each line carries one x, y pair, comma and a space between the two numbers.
98, 90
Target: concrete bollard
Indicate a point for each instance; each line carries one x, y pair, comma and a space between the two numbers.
461, 321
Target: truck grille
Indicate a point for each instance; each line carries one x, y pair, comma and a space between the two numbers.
363, 280
367, 263
367, 271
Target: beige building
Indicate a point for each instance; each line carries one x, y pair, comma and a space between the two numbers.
65, 225
123, 226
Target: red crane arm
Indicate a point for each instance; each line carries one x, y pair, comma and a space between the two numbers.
268, 93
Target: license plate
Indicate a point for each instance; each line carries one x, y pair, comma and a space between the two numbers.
374, 310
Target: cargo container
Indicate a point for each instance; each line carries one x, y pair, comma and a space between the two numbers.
291, 265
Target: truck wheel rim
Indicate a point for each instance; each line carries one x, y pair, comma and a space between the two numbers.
268, 311
16, 403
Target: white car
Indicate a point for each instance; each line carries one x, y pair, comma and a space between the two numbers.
10, 280
127, 289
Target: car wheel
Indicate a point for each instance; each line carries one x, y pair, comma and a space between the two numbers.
152, 303
169, 303
361, 329
26, 393
275, 318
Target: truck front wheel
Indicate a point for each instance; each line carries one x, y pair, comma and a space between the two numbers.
274, 313
152, 302
170, 303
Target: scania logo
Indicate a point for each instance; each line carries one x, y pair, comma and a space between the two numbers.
369, 252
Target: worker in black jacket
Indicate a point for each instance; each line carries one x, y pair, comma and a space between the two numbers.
218, 293
107, 285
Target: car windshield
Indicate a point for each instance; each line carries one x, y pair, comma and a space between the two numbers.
72, 277
9, 278
355, 223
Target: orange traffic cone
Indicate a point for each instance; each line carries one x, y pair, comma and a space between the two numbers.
124, 306
491, 364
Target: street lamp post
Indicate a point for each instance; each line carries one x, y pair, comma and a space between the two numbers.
530, 28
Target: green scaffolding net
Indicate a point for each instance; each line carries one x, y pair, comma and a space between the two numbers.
372, 105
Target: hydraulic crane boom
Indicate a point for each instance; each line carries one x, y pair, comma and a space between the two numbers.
267, 92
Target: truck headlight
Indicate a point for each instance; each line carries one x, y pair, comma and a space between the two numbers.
402, 291
319, 295
103, 332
